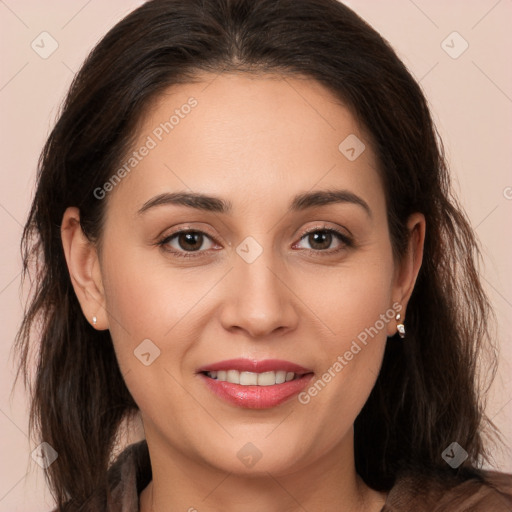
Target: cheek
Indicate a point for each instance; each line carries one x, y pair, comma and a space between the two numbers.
351, 299
144, 309
146, 298
355, 306
157, 310
352, 353
147, 313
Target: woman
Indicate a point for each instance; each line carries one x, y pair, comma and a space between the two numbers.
264, 260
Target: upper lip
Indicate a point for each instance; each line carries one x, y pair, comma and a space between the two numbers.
252, 365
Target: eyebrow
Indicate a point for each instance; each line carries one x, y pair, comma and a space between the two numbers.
214, 204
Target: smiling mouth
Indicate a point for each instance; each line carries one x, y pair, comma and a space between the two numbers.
252, 378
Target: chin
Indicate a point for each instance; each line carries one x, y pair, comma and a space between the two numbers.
256, 455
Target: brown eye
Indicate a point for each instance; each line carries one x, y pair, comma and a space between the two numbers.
192, 240
186, 242
321, 240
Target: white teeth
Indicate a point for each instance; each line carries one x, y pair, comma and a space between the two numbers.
267, 379
251, 378
248, 378
233, 376
280, 376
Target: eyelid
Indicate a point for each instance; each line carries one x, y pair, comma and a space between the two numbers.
345, 239
165, 239
326, 226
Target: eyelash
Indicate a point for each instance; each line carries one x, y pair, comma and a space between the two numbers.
347, 242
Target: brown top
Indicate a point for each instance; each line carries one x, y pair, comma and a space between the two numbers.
131, 473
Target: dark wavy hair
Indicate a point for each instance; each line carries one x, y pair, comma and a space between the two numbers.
430, 390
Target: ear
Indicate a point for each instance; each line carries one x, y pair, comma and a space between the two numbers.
84, 269
407, 270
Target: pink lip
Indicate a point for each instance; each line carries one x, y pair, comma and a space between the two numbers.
250, 365
256, 397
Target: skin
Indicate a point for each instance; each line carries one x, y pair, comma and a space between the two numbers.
257, 142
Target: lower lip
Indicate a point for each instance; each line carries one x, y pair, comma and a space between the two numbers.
257, 397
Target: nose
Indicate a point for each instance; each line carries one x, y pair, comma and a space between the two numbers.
259, 300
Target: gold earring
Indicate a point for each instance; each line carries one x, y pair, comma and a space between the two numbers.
400, 327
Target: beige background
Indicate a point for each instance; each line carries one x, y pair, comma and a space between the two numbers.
471, 98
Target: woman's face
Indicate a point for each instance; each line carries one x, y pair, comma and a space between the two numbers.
249, 284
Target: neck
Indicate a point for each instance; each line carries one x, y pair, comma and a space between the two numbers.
329, 483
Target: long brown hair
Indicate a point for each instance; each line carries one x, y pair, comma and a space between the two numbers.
429, 392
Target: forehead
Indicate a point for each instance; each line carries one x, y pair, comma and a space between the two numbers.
246, 136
